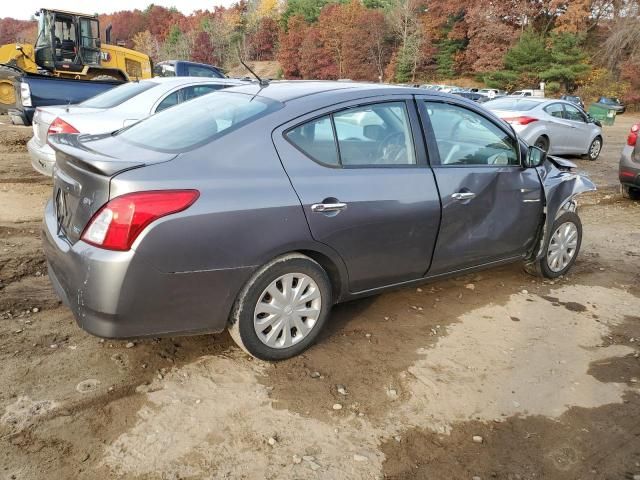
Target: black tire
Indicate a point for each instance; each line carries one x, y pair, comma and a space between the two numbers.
542, 143
630, 192
241, 322
593, 153
542, 267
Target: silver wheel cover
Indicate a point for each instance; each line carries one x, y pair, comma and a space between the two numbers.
287, 310
562, 246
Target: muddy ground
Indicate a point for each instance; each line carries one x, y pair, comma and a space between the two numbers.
492, 375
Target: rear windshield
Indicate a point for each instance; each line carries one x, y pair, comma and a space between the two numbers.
194, 123
516, 104
117, 95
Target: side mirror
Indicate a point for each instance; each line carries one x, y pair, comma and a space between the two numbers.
535, 157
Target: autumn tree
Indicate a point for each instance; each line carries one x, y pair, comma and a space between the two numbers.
567, 61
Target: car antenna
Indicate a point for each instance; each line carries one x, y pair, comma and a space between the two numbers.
261, 82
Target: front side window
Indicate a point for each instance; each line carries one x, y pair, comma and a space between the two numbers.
467, 138
371, 135
555, 110
572, 113
195, 91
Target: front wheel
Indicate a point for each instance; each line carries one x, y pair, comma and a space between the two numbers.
562, 247
282, 308
594, 149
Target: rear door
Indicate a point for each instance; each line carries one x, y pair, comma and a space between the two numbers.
361, 173
491, 206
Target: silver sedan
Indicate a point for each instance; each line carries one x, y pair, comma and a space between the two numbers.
556, 126
114, 109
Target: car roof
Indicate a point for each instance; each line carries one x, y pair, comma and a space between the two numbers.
175, 81
287, 90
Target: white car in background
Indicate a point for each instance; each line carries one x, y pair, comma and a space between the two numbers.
556, 126
114, 109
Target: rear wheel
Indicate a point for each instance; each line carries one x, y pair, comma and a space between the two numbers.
282, 308
7, 89
542, 143
594, 149
630, 192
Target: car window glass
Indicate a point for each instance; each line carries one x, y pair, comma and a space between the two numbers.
169, 101
378, 134
555, 110
516, 104
316, 139
572, 113
117, 95
467, 138
199, 90
197, 71
192, 124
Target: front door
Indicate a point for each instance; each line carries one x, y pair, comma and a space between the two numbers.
579, 138
366, 189
491, 206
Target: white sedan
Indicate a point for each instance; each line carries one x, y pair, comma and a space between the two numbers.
556, 126
114, 109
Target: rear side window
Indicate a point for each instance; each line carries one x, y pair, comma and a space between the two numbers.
120, 94
371, 135
169, 101
192, 124
195, 91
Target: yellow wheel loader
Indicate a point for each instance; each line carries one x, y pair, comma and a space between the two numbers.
68, 46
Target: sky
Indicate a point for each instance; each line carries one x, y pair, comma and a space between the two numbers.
24, 9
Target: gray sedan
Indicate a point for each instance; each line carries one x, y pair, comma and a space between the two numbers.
114, 109
258, 208
556, 126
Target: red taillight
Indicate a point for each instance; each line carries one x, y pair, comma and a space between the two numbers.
60, 126
633, 135
119, 222
520, 120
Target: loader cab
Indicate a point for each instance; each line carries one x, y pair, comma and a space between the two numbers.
67, 41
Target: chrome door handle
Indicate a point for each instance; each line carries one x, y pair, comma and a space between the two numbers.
463, 195
328, 207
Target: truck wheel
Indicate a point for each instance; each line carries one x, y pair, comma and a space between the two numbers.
7, 88
562, 247
282, 308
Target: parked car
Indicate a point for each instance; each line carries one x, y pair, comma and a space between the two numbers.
476, 97
528, 92
45, 90
113, 110
179, 224
183, 68
613, 104
555, 126
575, 99
629, 170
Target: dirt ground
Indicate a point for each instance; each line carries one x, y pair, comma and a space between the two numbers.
492, 375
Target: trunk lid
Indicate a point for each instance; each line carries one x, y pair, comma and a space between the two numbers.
44, 116
83, 173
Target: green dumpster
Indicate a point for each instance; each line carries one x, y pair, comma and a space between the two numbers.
605, 115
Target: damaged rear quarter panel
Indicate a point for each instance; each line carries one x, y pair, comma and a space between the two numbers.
561, 184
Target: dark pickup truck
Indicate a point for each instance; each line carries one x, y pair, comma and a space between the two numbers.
43, 91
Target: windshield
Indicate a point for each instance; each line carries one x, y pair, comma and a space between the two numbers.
117, 95
516, 104
197, 122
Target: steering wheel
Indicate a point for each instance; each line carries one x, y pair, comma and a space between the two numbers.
395, 139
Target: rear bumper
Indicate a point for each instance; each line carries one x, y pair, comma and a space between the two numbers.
43, 158
119, 295
629, 170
